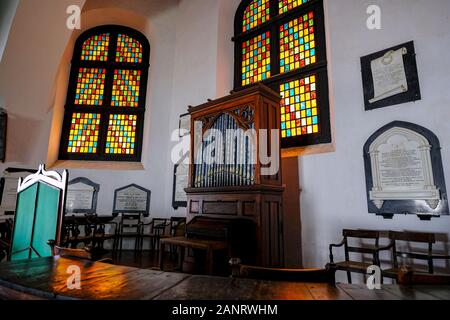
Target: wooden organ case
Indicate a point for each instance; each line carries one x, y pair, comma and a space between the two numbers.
238, 190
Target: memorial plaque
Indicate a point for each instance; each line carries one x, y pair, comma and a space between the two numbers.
390, 77
404, 171
8, 190
82, 196
132, 199
180, 182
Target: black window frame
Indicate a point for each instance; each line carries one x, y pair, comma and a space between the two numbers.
276, 79
106, 109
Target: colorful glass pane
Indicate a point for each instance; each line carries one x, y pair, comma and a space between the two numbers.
297, 43
256, 59
125, 92
90, 86
286, 5
121, 136
299, 110
129, 50
255, 14
84, 132
96, 48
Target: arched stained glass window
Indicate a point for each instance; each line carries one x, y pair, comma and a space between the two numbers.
104, 112
256, 13
286, 50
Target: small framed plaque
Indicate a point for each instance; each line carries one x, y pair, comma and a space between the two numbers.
390, 77
8, 189
404, 173
82, 196
184, 125
132, 199
180, 182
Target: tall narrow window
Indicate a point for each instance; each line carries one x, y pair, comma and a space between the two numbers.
281, 43
104, 112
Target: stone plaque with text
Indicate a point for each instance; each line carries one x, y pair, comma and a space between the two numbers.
132, 199
404, 169
82, 196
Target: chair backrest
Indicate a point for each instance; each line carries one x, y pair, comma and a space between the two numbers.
360, 234
130, 222
177, 226
415, 237
39, 214
159, 226
277, 274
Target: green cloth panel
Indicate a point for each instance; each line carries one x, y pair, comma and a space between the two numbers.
23, 222
44, 213
46, 219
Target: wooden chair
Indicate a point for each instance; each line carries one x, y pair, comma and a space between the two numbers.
129, 228
73, 235
281, 274
351, 265
39, 214
177, 229
157, 229
101, 233
427, 239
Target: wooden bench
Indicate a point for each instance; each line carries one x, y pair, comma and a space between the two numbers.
210, 246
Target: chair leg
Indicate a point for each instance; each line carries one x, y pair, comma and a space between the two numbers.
349, 277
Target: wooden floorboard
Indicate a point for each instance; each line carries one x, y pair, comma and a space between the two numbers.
323, 291
361, 292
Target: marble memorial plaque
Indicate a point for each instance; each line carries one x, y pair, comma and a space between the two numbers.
402, 168
132, 199
79, 197
82, 196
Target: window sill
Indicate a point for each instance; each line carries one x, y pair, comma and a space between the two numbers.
97, 165
308, 150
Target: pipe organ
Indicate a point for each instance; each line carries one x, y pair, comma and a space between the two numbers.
229, 182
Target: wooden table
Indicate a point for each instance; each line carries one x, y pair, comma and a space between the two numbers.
46, 278
210, 246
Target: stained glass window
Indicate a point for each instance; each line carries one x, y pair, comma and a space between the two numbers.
256, 59
121, 137
125, 92
285, 49
84, 131
297, 43
90, 86
128, 50
286, 5
96, 48
105, 104
258, 12
299, 113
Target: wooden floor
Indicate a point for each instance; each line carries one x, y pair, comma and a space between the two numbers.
146, 260
46, 278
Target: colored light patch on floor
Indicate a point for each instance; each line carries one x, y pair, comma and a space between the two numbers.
256, 59
90, 86
128, 50
126, 85
84, 132
95, 48
297, 43
299, 110
257, 13
286, 5
121, 137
